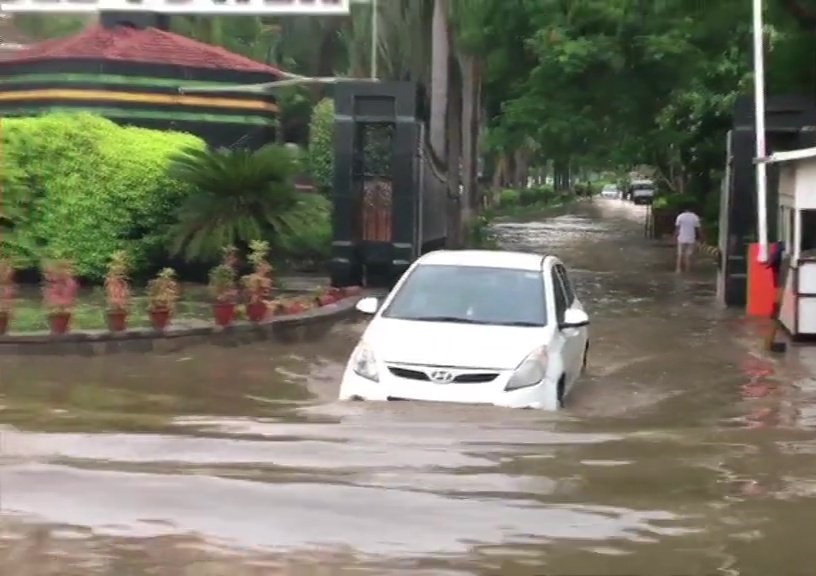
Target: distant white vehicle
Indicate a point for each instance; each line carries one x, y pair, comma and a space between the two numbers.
642, 191
473, 326
610, 191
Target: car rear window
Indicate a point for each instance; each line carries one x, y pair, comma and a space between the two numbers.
471, 294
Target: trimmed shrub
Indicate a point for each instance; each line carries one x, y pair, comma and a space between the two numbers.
509, 197
321, 144
537, 195
310, 236
83, 187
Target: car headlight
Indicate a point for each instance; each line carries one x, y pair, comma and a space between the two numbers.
364, 363
530, 372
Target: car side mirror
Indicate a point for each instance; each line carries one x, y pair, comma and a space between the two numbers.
575, 318
368, 305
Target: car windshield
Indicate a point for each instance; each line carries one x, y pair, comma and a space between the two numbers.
642, 187
471, 295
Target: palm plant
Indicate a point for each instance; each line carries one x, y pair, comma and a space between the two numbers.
237, 196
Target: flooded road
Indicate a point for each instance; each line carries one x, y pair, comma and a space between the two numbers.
679, 453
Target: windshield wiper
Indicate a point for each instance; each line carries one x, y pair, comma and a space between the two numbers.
446, 319
522, 323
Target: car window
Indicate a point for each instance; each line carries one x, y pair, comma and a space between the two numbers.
565, 281
561, 304
471, 294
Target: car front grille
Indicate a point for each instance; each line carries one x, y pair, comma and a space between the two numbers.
461, 377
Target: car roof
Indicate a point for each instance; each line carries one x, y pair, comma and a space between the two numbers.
486, 258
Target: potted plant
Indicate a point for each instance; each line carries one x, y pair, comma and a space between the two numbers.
294, 307
162, 295
117, 292
8, 290
222, 288
60, 290
258, 284
328, 296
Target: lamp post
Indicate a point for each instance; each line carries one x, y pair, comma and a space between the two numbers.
759, 129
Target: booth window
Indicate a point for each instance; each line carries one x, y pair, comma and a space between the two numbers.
808, 227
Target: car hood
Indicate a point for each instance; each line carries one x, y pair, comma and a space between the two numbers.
452, 344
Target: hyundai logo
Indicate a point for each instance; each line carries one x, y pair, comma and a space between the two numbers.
441, 376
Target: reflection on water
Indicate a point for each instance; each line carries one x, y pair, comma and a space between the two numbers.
680, 452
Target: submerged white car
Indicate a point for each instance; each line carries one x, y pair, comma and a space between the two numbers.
473, 326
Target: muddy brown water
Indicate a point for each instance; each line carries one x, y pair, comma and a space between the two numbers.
682, 452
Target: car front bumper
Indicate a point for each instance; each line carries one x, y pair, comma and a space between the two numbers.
543, 395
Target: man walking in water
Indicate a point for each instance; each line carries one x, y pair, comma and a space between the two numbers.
687, 232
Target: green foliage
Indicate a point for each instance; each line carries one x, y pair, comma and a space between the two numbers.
478, 234
310, 234
674, 201
237, 196
79, 186
509, 197
321, 143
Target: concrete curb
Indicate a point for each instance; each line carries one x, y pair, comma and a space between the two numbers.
308, 326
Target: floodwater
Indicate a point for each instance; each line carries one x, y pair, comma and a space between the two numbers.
682, 451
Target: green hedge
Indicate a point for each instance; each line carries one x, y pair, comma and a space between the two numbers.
321, 143
81, 187
526, 196
310, 238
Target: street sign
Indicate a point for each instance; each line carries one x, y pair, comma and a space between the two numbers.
213, 7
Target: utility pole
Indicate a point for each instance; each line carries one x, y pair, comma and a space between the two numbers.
759, 129
374, 37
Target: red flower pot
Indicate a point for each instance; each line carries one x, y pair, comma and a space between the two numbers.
256, 311
159, 318
59, 322
224, 313
326, 299
4, 322
117, 320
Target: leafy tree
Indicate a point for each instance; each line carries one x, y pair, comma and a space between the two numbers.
238, 196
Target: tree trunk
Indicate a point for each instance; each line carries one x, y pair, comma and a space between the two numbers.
440, 55
471, 82
521, 171
454, 113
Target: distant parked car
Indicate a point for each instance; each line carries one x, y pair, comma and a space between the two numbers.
610, 191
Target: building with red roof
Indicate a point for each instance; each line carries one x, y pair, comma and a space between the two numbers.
129, 68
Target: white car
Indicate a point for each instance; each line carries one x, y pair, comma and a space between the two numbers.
473, 326
610, 191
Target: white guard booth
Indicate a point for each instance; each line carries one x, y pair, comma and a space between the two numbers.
797, 229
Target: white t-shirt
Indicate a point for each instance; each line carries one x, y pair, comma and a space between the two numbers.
687, 224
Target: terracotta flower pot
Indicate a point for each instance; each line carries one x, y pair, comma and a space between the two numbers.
117, 320
4, 321
160, 318
256, 311
224, 313
325, 299
59, 322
